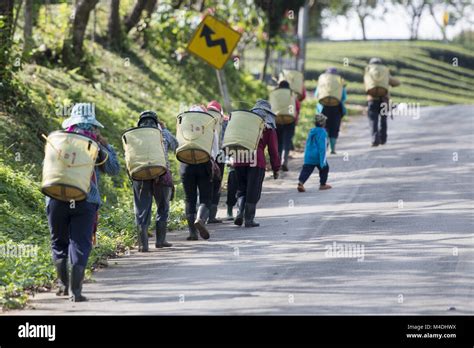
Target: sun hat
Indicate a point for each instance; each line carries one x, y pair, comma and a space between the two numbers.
82, 113
331, 70
264, 109
197, 107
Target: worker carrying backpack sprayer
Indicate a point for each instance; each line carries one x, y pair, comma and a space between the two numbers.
293, 80
331, 94
197, 136
250, 172
377, 82
74, 159
146, 155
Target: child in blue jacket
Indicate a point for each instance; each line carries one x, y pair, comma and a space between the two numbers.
315, 155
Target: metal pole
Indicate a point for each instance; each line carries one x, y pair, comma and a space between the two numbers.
302, 33
224, 90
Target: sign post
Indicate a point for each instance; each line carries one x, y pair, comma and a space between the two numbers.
213, 41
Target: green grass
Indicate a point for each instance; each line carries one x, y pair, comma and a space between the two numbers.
120, 86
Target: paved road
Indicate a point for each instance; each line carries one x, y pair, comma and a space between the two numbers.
402, 214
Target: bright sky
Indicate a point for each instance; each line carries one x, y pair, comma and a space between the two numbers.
393, 25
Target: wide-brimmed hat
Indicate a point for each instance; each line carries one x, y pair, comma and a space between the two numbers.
264, 109
82, 113
331, 70
263, 105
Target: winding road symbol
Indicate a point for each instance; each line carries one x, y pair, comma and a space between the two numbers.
207, 33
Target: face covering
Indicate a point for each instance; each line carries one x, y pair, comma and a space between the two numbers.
86, 129
148, 122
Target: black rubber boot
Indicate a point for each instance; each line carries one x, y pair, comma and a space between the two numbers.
239, 218
212, 215
142, 239
63, 277
200, 223
193, 235
77, 277
230, 216
160, 233
250, 209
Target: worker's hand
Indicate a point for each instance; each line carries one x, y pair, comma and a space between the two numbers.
276, 175
162, 124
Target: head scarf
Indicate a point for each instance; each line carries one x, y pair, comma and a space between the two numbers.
264, 110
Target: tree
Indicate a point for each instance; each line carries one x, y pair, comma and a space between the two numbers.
415, 9
149, 8
6, 31
455, 9
134, 17
364, 9
28, 27
275, 11
322, 10
114, 28
73, 47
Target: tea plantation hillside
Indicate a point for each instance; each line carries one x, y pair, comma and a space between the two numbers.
431, 72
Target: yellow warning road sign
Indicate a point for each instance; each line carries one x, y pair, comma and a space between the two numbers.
213, 41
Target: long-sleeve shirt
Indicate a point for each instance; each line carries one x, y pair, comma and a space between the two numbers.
269, 139
170, 144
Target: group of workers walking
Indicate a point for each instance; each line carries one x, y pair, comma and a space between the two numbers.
73, 223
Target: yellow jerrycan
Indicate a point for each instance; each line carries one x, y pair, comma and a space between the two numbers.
243, 131
195, 134
283, 105
144, 152
295, 78
329, 89
68, 165
376, 80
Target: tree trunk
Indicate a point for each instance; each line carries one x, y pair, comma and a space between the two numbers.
28, 28
73, 49
439, 24
149, 9
114, 29
6, 12
362, 26
134, 17
267, 57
